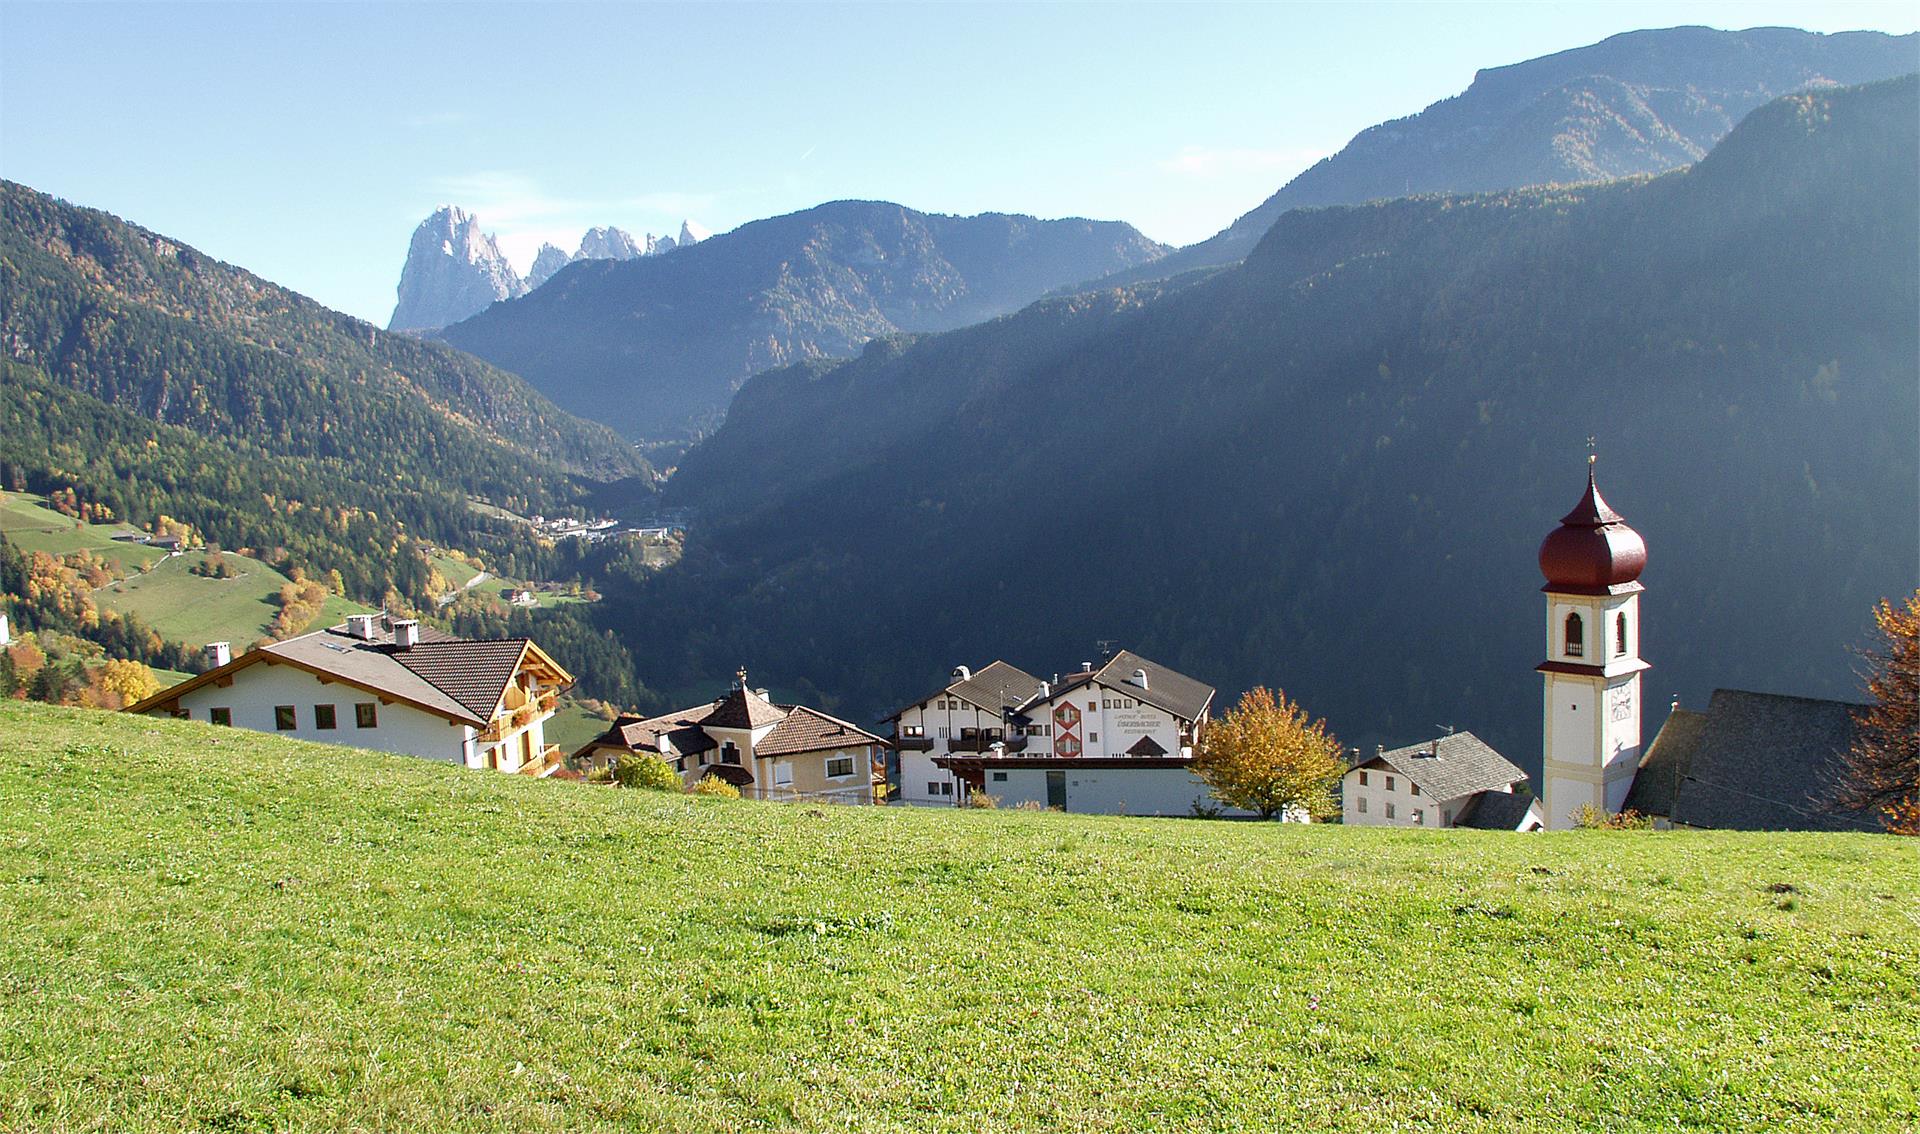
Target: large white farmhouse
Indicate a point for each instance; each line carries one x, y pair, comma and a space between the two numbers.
1116, 739
387, 684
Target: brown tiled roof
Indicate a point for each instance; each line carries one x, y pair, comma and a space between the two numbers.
1146, 746
1166, 689
731, 773
457, 678
810, 730
742, 708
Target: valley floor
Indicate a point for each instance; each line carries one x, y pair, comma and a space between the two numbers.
205, 928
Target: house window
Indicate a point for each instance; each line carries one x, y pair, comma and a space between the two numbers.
999, 777
1418, 815
1093, 738
1090, 706
1363, 779
943, 732
283, 718
1389, 810
366, 714
839, 766
933, 787
1360, 805
1576, 636
220, 716
782, 774
914, 730
1413, 788
1389, 783
946, 789
969, 733
729, 753
323, 716
1620, 635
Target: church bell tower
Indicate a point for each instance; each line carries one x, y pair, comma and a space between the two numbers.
1591, 720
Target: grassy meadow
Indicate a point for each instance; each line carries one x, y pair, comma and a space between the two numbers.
213, 929
190, 608
31, 526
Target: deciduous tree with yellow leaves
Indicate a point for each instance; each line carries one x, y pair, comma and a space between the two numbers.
1267, 757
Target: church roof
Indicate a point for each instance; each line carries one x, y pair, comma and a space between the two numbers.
1593, 551
1450, 766
1751, 762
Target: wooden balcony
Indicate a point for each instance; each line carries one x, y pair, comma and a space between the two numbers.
982, 742
542, 764
913, 743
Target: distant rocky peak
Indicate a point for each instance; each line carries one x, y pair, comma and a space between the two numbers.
691, 233
608, 244
453, 270
546, 262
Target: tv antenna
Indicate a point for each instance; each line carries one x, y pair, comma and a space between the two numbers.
1106, 646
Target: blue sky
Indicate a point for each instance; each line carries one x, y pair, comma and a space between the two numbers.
304, 142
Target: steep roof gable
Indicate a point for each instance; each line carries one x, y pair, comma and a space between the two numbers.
1763, 762
810, 730
1450, 766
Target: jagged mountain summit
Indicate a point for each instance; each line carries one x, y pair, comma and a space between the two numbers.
608, 244
547, 261
453, 269
656, 346
1636, 103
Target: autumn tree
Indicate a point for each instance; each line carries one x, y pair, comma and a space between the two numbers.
1881, 773
1265, 756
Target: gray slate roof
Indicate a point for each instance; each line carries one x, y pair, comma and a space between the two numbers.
1167, 689
1495, 810
1751, 762
1451, 766
995, 687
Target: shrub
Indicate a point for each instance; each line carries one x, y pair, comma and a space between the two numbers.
1591, 818
715, 786
645, 770
983, 801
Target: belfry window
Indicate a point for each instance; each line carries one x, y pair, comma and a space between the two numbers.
1576, 635
1619, 635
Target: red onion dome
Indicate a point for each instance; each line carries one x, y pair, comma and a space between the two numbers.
1593, 548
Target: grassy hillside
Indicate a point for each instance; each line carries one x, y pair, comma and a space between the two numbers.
28, 524
190, 608
220, 930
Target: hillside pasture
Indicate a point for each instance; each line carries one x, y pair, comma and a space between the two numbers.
193, 609
28, 524
213, 929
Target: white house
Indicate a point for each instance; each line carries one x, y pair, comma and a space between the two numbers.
1117, 739
1450, 781
967, 716
768, 751
387, 684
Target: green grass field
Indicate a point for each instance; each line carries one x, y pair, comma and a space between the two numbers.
572, 726
208, 929
188, 608
30, 525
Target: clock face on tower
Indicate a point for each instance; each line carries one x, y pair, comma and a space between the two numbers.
1620, 701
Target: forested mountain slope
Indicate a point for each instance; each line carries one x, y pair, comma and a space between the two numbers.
151, 377
655, 346
1639, 102
1329, 468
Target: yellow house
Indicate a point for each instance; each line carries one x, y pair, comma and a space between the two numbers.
768, 751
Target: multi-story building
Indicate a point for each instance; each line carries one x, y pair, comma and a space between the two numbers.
386, 684
1455, 780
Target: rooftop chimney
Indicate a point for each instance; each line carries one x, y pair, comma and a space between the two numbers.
1086, 667
406, 633
218, 654
1140, 678
961, 673
1379, 750
360, 626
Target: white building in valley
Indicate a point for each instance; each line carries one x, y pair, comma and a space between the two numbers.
1112, 739
1450, 781
386, 684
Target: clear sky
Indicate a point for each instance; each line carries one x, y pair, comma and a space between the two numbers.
304, 142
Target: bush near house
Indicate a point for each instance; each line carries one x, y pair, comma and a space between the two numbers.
207, 928
645, 770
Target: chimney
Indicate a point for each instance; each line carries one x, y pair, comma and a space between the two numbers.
218, 654
360, 626
406, 633
1046, 688
1140, 678
1379, 750
1086, 667
961, 673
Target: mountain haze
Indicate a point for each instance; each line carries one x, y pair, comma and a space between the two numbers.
1328, 469
656, 346
1638, 102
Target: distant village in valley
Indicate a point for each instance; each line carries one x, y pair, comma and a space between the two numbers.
1121, 735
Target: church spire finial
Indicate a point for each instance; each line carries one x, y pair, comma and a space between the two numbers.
1592, 455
